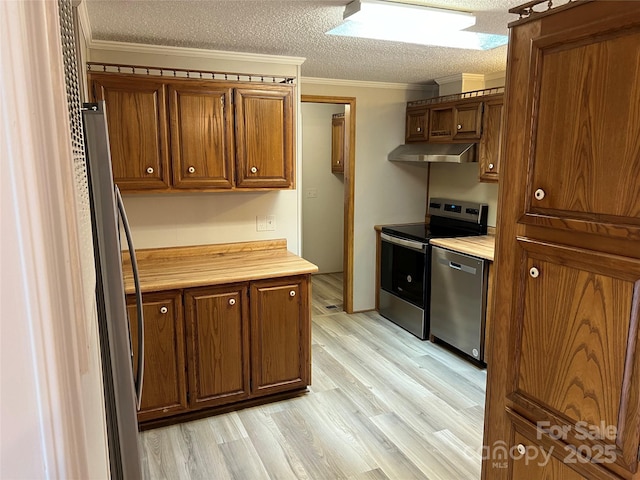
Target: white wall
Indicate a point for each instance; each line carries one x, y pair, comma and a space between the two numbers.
322, 215
201, 218
460, 181
385, 192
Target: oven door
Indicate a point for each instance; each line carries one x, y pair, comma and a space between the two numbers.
403, 269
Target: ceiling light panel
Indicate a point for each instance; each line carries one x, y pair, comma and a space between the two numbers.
398, 22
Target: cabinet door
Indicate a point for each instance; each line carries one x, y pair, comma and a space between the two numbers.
280, 335
164, 384
201, 136
441, 124
218, 345
576, 311
338, 143
468, 120
416, 128
137, 122
264, 137
490, 143
584, 151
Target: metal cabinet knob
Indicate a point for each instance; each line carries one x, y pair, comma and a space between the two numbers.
254, 169
459, 127
149, 170
539, 194
521, 449
491, 166
191, 169
164, 309
232, 301
534, 272
292, 293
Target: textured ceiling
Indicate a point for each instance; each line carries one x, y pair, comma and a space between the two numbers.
297, 28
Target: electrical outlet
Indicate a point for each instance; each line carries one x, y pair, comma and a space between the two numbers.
271, 222
261, 223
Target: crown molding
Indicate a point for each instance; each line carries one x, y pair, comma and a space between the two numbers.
84, 23
495, 75
362, 83
459, 77
193, 52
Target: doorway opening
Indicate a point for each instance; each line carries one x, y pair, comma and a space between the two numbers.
349, 105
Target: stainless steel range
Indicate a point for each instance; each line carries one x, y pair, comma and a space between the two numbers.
405, 264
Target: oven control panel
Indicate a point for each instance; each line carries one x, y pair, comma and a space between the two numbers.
458, 209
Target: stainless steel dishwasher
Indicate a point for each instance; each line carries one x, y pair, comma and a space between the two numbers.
459, 300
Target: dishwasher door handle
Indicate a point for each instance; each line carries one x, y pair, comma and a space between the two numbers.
461, 267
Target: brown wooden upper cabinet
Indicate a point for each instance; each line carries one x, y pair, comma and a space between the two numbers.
339, 143
185, 134
417, 126
264, 137
475, 119
491, 140
138, 133
201, 136
455, 122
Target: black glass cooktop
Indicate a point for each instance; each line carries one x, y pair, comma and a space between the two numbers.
422, 232
415, 231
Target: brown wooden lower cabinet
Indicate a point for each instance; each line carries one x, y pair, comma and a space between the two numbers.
243, 341
218, 345
164, 389
280, 335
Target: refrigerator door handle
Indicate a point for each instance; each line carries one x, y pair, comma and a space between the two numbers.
136, 280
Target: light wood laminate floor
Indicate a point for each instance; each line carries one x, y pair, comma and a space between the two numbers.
382, 405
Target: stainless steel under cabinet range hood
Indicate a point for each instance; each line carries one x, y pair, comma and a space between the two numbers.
434, 152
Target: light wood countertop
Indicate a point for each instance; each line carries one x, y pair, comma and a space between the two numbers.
482, 246
185, 267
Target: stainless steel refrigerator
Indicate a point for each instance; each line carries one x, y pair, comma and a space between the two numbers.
122, 386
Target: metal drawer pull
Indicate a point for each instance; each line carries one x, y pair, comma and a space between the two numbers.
164, 309
456, 266
292, 293
534, 272
539, 194
232, 301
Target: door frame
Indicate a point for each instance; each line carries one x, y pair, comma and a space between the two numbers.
349, 188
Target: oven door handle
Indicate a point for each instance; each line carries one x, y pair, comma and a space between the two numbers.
419, 246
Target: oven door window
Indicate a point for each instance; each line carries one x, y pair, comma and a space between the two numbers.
403, 272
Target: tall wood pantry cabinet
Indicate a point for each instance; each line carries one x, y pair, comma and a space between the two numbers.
173, 135
565, 377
